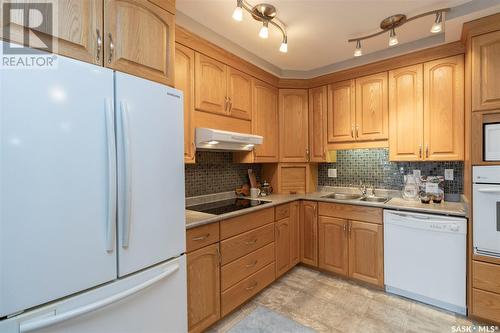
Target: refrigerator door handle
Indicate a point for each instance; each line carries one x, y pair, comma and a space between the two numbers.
64, 316
128, 175
110, 136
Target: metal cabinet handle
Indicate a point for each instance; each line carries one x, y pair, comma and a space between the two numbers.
345, 228
230, 101
200, 238
350, 227
111, 48
219, 256
357, 131
252, 264
251, 242
307, 154
420, 151
255, 284
427, 150
99, 45
352, 131
226, 104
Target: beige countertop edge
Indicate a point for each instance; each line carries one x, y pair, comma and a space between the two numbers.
196, 219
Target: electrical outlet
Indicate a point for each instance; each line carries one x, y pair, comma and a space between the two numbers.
417, 174
332, 173
448, 174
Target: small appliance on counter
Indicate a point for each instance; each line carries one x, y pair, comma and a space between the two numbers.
486, 212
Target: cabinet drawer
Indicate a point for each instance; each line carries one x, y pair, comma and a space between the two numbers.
351, 212
250, 241
199, 237
247, 288
246, 222
246, 266
282, 211
486, 276
486, 305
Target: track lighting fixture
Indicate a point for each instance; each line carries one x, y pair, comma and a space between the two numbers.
238, 11
390, 24
264, 31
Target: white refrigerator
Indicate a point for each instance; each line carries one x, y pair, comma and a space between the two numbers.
92, 232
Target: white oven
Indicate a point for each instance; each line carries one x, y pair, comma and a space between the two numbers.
486, 210
492, 142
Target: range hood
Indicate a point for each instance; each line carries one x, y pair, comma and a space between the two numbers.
217, 140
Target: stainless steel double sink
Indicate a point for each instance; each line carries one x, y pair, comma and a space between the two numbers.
353, 196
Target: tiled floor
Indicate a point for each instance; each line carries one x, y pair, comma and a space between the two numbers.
330, 304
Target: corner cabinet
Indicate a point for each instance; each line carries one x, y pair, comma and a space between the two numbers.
293, 129
203, 280
486, 72
318, 107
372, 112
184, 80
444, 115
139, 39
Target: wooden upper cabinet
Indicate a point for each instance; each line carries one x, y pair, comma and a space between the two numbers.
184, 80
139, 39
444, 109
283, 246
265, 121
239, 93
406, 121
309, 233
486, 71
293, 129
168, 5
203, 281
366, 252
318, 107
341, 111
210, 85
333, 245
372, 111
79, 31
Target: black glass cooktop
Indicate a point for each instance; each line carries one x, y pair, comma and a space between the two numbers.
226, 206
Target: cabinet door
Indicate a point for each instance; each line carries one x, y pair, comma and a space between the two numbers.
139, 39
184, 80
366, 252
282, 243
309, 233
341, 111
203, 278
372, 110
78, 35
210, 85
265, 121
293, 118
239, 92
406, 113
333, 245
317, 123
444, 109
295, 232
486, 71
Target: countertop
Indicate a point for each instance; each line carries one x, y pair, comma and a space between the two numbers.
195, 219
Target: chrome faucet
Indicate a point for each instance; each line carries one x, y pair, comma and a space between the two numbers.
362, 188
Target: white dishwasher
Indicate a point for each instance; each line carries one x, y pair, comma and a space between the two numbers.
425, 258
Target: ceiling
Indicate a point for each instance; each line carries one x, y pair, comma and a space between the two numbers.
318, 30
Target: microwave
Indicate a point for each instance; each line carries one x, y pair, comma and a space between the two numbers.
491, 135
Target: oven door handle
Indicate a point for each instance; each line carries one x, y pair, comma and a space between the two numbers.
489, 190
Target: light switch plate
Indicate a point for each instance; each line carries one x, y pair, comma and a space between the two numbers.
332, 173
448, 174
417, 174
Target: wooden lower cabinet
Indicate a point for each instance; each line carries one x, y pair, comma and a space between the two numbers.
287, 237
333, 245
366, 252
309, 233
283, 255
486, 290
486, 305
242, 291
203, 280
